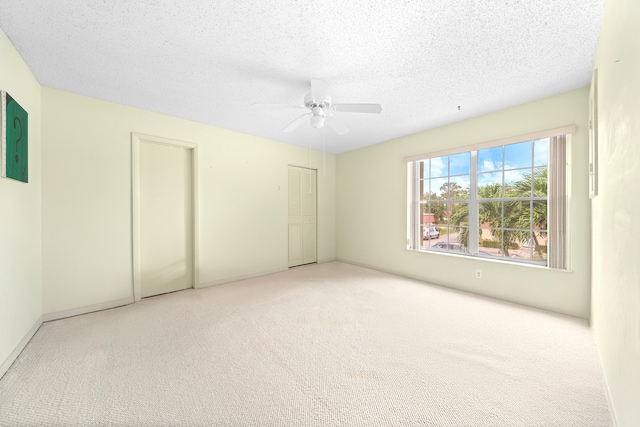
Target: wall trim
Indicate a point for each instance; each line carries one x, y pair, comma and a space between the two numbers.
86, 309
136, 140
4, 367
242, 277
607, 390
398, 273
419, 279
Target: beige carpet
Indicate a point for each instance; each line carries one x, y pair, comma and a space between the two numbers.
320, 345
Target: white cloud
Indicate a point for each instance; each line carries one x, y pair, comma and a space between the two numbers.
462, 181
437, 166
488, 165
541, 152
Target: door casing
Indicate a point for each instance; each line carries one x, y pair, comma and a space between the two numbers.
302, 220
136, 140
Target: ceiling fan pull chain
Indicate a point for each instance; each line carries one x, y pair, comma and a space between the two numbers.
309, 165
324, 152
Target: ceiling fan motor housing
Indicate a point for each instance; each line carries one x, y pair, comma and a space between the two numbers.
311, 103
317, 110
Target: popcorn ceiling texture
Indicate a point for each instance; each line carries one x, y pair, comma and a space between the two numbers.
210, 61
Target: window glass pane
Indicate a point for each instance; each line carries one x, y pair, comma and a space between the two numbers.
490, 185
539, 250
430, 233
424, 169
517, 183
427, 216
428, 244
540, 180
449, 246
424, 189
439, 166
490, 214
525, 251
517, 155
459, 223
490, 241
440, 187
490, 159
541, 152
438, 213
518, 244
459, 187
539, 211
511, 242
460, 164
460, 235
518, 214
459, 214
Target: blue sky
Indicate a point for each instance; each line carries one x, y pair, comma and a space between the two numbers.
515, 156
491, 162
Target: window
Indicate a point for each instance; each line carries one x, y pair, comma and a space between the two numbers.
503, 200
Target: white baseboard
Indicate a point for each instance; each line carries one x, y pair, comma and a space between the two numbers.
387, 270
242, 277
251, 275
4, 367
607, 391
86, 309
614, 418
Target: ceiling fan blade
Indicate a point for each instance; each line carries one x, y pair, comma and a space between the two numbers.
260, 105
336, 125
359, 108
318, 90
296, 123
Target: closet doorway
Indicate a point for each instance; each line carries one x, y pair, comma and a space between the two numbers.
164, 216
302, 216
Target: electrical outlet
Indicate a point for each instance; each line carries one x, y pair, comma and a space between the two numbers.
478, 274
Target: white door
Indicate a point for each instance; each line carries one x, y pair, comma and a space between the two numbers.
302, 216
166, 218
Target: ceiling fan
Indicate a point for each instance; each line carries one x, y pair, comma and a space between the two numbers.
322, 111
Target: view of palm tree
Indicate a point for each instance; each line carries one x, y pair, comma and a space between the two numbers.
509, 219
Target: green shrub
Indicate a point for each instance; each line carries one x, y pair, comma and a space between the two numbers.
488, 243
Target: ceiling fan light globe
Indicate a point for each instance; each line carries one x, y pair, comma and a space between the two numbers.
317, 121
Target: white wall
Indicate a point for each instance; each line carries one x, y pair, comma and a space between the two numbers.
20, 225
372, 209
87, 199
616, 210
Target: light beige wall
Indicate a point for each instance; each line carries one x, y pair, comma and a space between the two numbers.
616, 210
87, 199
20, 220
372, 209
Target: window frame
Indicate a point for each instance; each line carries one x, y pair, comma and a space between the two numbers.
414, 220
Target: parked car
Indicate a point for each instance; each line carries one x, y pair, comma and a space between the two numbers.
430, 232
448, 246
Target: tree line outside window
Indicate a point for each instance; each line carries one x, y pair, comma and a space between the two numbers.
490, 202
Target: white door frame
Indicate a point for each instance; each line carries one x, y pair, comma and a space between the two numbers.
136, 140
316, 203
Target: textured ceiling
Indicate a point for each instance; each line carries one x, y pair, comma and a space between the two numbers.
209, 61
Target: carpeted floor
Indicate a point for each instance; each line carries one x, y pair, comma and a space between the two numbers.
320, 345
